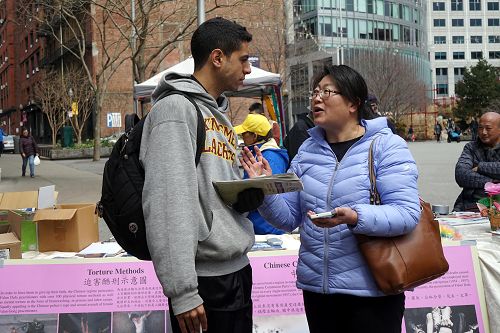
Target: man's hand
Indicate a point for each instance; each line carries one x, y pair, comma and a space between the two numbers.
474, 169
190, 321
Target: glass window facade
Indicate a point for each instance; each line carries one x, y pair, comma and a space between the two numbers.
493, 5
475, 22
457, 22
439, 39
458, 55
476, 55
458, 39
441, 71
459, 71
442, 89
494, 22
438, 6
474, 5
457, 5
348, 30
494, 54
440, 55
494, 39
476, 39
439, 22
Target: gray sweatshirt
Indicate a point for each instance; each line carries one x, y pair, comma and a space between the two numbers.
190, 231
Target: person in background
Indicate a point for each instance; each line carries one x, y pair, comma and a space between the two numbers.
339, 291
411, 134
2, 134
479, 163
256, 132
437, 131
473, 128
198, 244
298, 134
28, 149
374, 106
256, 108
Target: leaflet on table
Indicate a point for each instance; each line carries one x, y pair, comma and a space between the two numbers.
463, 218
279, 183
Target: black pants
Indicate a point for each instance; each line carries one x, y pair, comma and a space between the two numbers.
342, 313
227, 302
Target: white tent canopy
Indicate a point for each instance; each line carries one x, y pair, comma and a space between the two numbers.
257, 83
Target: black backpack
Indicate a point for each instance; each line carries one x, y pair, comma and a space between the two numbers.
122, 183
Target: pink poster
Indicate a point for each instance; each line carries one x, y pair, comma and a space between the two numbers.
119, 296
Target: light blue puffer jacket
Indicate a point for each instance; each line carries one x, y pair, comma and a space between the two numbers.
329, 259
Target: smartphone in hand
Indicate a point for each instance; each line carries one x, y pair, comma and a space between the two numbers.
327, 215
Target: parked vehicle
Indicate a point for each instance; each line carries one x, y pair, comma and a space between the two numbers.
113, 137
8, 143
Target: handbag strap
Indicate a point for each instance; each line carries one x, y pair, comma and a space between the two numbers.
374, 195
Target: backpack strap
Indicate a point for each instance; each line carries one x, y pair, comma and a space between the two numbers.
200, 129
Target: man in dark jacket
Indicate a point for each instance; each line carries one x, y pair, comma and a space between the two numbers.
479, 163
298, 134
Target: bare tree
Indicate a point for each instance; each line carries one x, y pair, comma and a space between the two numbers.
394, 81
84, 31
48, 94
155, 28
81, 98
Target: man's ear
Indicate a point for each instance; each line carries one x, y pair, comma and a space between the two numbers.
216, 57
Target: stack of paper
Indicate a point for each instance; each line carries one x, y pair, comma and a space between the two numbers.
275, 184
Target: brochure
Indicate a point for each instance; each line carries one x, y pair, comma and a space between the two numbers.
275, 184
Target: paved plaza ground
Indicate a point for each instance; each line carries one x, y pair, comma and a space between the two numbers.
80, 180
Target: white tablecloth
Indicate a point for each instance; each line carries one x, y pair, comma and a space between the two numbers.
488, 246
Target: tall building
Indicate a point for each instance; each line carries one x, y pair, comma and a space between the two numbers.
460, 33
8, 97
358, 33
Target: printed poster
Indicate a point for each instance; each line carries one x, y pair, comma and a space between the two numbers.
124, 295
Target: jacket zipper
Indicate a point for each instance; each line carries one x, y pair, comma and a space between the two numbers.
326, 242
325, 232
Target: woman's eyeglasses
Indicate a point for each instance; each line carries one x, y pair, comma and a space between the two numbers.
324, 94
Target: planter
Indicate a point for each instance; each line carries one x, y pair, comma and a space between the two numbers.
69, 153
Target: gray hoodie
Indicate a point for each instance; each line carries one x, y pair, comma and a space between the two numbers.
190, 231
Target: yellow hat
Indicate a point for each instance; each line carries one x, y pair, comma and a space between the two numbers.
255, 123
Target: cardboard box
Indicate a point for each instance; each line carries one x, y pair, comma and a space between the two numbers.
68, 228
10, 246
22, 225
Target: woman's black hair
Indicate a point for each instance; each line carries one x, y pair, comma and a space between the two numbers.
350, 84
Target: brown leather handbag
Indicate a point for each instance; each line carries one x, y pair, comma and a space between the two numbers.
407, 261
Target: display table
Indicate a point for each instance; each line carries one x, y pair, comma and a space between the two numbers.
488, 248
106, 293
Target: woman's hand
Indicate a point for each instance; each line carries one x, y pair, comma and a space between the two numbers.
344, 215
255, 166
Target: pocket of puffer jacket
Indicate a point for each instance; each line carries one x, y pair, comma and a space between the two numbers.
230, 237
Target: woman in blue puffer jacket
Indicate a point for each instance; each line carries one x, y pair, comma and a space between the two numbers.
340, 294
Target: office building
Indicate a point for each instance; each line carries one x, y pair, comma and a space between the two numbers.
460, 33
358, 33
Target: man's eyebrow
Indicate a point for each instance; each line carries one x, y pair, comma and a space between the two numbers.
245, 57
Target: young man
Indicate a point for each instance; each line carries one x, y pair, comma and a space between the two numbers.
198, 244
479, 163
